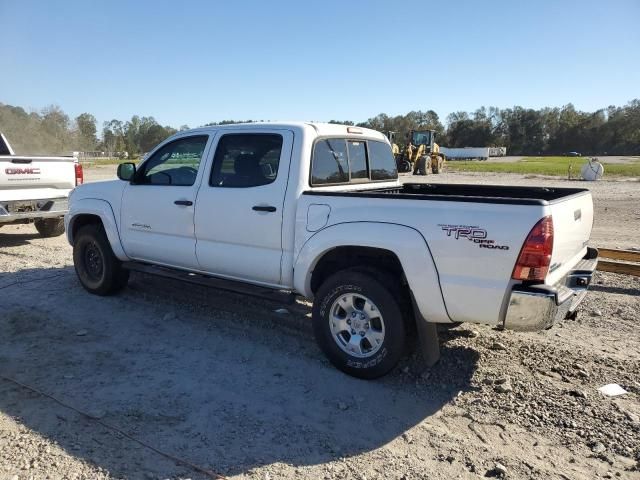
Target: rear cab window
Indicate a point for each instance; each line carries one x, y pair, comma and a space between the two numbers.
337, 161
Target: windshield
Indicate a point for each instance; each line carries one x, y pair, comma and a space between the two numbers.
421, 138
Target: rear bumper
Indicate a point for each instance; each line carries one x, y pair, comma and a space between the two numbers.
28, 210
536, 307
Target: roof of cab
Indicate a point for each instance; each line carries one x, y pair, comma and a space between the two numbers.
321, 129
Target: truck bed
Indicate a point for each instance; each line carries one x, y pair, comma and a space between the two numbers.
466, 193
503, 216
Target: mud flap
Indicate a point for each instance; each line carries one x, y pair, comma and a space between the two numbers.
429, 342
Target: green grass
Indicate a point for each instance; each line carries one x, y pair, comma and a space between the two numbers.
545, 166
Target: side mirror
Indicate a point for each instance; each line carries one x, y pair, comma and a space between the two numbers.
126, 171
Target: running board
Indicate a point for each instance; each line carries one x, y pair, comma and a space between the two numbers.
279, 296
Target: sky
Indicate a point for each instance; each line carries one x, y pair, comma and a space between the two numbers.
194, 62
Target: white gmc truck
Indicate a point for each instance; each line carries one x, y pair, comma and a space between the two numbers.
317, 210
36, 188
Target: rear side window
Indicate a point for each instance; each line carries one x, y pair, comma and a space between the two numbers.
246, 160
339, 160
330, 163
381, 161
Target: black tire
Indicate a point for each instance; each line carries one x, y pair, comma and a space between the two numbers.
98, 269
370, 284
421, 166
50, 227
437, 164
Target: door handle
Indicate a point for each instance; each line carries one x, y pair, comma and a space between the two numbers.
264, 208
184, 203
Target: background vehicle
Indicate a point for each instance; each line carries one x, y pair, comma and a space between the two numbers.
317, 210
36, 189
421, 154
467, 153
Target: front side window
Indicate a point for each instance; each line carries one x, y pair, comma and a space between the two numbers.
340, 160
246, 160
175, 164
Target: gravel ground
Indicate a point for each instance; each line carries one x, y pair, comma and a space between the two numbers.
230, 385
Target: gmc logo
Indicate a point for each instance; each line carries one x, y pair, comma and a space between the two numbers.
22, 171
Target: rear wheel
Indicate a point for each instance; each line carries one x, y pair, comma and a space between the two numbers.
50, 227
98, 269
359, 324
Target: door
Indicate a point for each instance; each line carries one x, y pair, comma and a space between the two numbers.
157, 209
239, 208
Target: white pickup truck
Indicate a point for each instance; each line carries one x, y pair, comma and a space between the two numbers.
36, 188
317, 210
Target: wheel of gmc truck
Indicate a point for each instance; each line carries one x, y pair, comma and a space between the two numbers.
50, 227
358, 323
98, 269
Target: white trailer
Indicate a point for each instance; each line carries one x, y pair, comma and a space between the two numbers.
466, 153
497, 151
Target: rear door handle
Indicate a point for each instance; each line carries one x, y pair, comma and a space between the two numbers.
184, 203
264, 208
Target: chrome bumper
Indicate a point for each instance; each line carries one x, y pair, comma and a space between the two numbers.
536, 307
25, 210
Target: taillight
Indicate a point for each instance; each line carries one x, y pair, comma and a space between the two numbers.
535, 256
79, 174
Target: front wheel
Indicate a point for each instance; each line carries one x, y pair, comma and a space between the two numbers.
98, 269
50, 227
358, 323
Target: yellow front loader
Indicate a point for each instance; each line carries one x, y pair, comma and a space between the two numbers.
420, 155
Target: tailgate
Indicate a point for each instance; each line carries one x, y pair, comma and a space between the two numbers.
39, 173
572, 223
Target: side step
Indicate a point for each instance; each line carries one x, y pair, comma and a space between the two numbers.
279, 296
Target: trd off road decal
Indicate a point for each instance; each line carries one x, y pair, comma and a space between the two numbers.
474, 234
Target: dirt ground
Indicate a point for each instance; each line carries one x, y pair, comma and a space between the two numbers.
230, 385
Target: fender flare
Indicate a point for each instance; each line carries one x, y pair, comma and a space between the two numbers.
406, 243
103, 210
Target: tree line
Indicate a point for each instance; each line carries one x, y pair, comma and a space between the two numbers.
524, 131
51, 131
